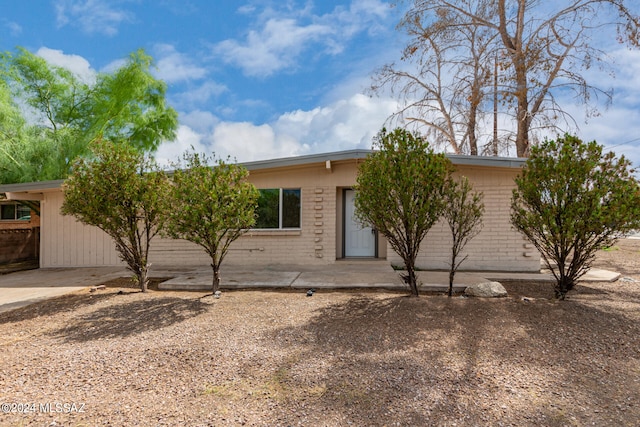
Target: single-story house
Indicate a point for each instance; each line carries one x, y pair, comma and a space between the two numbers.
309, 220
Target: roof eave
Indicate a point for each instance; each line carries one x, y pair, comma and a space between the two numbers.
487, 161
307, 159
31, 187
356, 154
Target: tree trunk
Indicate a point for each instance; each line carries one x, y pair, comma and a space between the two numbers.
452, 273
143, 278
452, 267
563, 286
522, 136
514, 47
522, 109
411, 280
471, 129
475, 100
215, 285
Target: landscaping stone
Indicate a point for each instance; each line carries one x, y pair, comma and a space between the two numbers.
486, 290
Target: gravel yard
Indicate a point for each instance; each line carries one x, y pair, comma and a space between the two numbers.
118, 357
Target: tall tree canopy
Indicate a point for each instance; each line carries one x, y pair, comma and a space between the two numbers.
537, 49
49, 115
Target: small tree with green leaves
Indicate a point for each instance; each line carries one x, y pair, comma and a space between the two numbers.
463, 212
570, 201
211, 206
122, 192
400, 191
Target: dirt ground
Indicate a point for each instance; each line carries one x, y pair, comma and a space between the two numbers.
118, 357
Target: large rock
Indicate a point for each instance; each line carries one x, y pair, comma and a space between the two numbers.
486, 290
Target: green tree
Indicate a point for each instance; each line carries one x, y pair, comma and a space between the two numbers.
65, 114
17, 141
463, 212
400, 192
122, 192
211, 206
11, 135
571, 200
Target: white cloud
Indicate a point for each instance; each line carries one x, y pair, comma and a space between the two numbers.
282, 37
246, 141
92, 16
14, 28
617, 126
170, 153
246, 9
361, 15
273, 48
74, 63
345, 124
618, 129
200, 94
173, 66
114, 65
627, 79
202, 122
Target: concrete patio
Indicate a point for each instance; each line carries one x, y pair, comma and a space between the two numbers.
22, 288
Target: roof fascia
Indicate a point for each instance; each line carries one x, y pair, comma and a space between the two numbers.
307, 159
487, 161
456, 159
31, 187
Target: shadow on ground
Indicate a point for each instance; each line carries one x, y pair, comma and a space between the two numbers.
417, 360
73, 301
129, 318
53, 306
19, 266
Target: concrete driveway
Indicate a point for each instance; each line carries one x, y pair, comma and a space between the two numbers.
22, 288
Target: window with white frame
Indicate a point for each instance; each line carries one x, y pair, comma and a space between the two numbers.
278, 208
14, 212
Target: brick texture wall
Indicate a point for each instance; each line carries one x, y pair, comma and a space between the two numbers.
65, 242
498, 246
313, 243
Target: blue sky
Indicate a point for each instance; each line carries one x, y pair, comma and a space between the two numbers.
259, 79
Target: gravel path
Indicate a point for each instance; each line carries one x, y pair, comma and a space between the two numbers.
118, 357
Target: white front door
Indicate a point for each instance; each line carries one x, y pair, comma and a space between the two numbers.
359, 241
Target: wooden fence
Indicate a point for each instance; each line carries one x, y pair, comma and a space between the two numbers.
19, 245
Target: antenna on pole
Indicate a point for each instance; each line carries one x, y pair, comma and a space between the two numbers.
495, 107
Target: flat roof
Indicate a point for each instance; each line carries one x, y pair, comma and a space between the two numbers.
456, 159
307, 159
31, 186
490, 161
